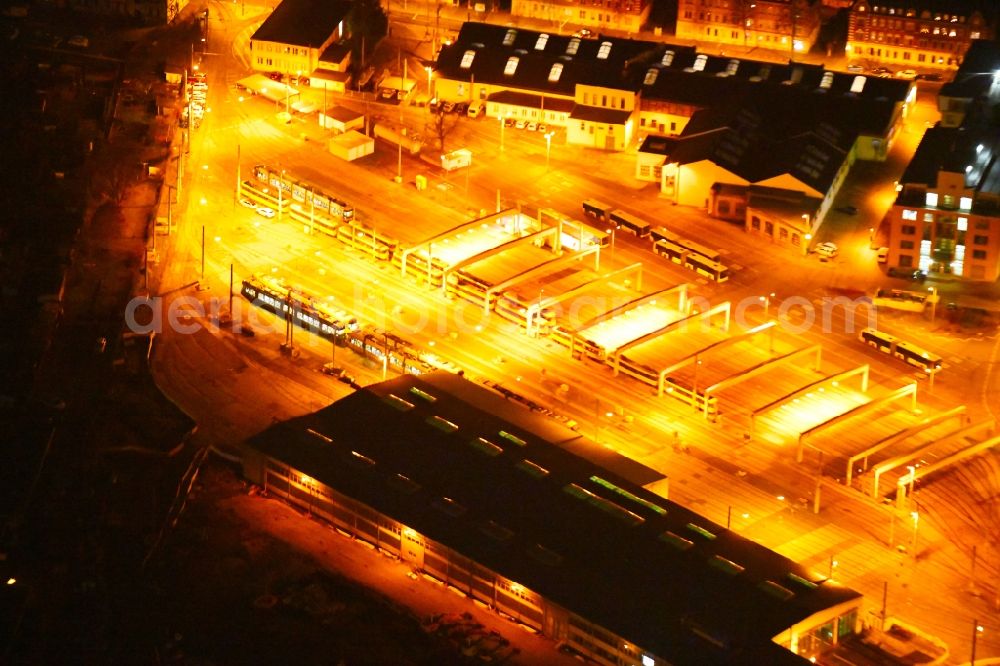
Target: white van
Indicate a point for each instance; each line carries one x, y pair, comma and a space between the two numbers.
477, 109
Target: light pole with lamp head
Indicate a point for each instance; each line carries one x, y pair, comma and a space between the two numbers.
548, 148
503, 121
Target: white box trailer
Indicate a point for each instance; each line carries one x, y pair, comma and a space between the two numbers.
456, 159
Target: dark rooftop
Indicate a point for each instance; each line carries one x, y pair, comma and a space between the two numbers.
976, 76
969, 150
302, 22
496, 482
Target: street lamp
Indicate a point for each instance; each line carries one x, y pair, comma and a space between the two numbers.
503, 120
915, 515
805, 246
976, 630
429, 71
766, 300
612, 232
548, 148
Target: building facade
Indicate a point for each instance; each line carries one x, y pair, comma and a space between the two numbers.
946, 217
624, 15
915, 33
294, 38
781, 25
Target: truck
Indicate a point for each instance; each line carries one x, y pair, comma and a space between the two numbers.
410, 141
456, 159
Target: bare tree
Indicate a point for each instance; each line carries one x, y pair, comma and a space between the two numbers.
441, 125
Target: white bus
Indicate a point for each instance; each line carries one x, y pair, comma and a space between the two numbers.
904, 351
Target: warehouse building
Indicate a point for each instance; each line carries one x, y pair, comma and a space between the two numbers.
512, 508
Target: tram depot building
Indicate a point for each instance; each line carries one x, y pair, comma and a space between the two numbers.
512, 508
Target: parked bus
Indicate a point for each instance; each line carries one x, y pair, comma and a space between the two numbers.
696, 248
578, 235
670, 250
905, 351
597, 210
713, 270
637, 226
662, 233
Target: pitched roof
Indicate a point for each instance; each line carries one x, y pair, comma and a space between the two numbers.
500, 485
302, 22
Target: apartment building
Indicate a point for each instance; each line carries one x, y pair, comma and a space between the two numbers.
946, 217
789, 25
300, 36
624, 15
916, 33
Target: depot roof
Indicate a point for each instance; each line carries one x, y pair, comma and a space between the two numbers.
513, 490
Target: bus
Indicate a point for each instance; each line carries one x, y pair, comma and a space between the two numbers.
691, 246
670, 250
713, 270
578, 235
914, 355
637, 226
904, 351
597, 210
662, 233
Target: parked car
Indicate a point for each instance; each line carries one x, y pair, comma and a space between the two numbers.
826, 250
78, 41
246, 203
883, 72
857, 69
907, 74
542, 127
533, 126
508, 122
266, 212
333, 370
520, 124
461, 108
929, 77
883, 255
448, 107
901, 272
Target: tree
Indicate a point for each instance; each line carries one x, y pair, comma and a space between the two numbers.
367, 24
441, 125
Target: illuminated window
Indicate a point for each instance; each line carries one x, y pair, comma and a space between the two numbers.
604, 51
965, 203
963, 224
668, 58
858, 84
651, 75
555, 72
700, 62
540, 43
508, 39
932, 199
511, 66
827, 81
467, 59
573, 46
909, 214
